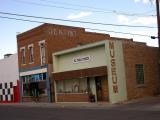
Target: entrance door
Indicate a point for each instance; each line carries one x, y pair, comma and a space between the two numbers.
98, 88
34, 90
102, 88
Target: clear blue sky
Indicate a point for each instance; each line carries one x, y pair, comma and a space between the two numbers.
81, 10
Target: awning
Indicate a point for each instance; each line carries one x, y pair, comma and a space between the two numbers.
82, 73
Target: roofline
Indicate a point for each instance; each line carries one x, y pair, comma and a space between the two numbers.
46, 24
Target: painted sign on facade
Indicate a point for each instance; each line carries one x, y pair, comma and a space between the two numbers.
116, 71
81, 59
113, 67
62, 32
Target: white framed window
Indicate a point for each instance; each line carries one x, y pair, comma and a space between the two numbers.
42, 52
23, 55
31, 53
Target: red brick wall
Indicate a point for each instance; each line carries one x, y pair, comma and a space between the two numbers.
54, 43
72, 97
136, 53
27, 38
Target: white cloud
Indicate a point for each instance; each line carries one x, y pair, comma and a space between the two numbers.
79, 15
147, 40
137, 1
139, 20
145, 20
123, 19
145, 1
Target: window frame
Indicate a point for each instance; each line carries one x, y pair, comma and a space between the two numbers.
31, 53
140, 76
42, 46
23, 55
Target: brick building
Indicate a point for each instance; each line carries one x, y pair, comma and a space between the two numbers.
109, 70
139, 64
35, 48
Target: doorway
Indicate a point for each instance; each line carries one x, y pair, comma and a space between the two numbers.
34, 90
102, 88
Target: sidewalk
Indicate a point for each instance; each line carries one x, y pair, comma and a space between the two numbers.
96, 105
99, 105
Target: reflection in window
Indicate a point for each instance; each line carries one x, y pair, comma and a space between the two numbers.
34, 84
72, 86
42, 52
31, 56
23, 56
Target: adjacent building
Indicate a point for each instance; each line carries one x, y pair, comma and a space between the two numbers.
109, 70
67, 64
9, 79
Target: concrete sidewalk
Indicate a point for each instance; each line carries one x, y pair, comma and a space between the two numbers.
97, 105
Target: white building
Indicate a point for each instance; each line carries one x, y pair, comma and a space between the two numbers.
9, 79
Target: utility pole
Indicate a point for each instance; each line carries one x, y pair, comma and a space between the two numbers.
158, 24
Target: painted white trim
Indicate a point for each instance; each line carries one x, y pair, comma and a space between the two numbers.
22, 48
43, 58
43, 41
33, 72
55, 89
31, 45
31, 62
31, 53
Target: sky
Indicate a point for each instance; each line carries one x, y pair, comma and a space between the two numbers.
123, 12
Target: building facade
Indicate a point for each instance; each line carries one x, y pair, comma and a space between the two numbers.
35, 48
85, 66
110, 70
9, 79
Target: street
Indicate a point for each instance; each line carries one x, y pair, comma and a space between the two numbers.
143, 110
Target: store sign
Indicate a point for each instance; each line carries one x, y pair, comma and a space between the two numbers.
81, 59
62, 32
113, 67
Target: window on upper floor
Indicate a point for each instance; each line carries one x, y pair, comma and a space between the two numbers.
31, 53
42, 52
139, 74
23, 55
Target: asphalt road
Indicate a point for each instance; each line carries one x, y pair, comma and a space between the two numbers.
149, 110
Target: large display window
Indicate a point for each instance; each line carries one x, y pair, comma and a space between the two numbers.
72, 86
34, 85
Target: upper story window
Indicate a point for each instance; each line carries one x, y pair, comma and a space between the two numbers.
23, 55
31, 53
139, 74
42, 52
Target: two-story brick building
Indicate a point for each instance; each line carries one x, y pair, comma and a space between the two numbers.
35, 48
135, 72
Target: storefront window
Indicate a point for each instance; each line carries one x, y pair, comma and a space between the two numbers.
72, 86
34, 85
